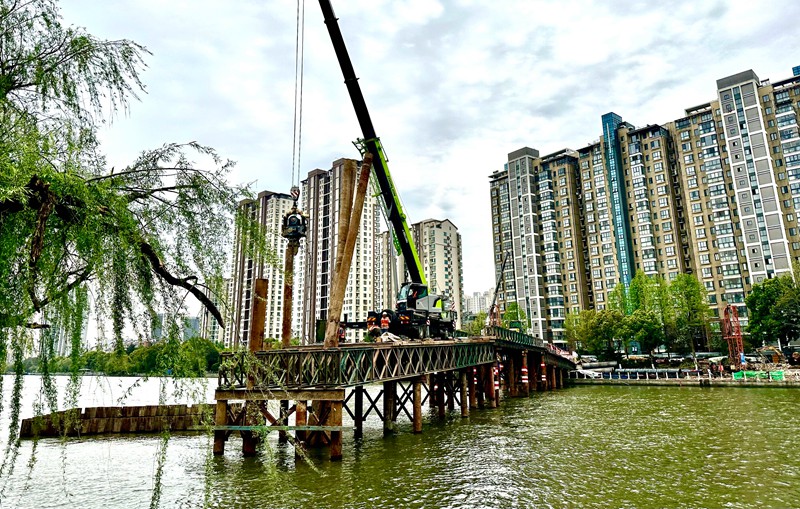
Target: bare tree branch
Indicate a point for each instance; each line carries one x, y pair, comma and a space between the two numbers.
187, 283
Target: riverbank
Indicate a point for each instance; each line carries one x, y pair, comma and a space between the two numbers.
688, 382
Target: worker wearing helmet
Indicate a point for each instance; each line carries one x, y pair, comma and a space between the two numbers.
385, 322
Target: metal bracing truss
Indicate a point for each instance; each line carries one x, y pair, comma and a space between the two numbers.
349, 366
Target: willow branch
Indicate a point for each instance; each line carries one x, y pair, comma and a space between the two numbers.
87, 272
187, 283
47, 200
34, 325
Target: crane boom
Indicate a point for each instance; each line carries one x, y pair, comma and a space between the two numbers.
394, 209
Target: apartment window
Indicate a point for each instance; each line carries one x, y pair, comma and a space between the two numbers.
688, 158
702, 245
685, 135
705, 259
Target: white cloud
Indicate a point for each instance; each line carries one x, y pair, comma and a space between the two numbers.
452, 86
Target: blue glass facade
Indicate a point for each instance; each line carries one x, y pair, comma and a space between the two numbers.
619, 205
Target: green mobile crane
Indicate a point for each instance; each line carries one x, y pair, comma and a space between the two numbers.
418, 313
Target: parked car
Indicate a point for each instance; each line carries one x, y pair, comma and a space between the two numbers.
668, 358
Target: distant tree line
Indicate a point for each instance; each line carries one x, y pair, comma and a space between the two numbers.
651, 312
194, 357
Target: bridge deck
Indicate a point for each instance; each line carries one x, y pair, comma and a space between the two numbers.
356, 364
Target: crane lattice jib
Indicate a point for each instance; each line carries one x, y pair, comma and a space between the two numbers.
732, 331
380, 168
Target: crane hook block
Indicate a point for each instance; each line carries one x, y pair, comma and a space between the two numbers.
295, 225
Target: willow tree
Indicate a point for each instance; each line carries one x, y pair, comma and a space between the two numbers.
131, 240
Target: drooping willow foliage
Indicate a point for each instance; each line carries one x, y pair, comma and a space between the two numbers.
131, 241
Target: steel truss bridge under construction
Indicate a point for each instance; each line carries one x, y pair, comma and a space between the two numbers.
316, 385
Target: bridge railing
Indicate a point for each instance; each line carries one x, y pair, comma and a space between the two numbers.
515, 337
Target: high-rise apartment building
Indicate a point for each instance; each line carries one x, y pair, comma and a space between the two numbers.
209, 327
321, 192
478, 302
438, 244
268, 210
713, 193
390, 271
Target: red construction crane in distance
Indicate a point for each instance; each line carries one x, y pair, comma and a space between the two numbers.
732, 332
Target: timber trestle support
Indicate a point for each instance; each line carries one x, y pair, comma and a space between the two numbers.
310, 395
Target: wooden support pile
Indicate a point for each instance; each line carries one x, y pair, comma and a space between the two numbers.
349, 224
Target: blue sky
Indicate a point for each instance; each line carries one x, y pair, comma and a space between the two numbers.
452, 87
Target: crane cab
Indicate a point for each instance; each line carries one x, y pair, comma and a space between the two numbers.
411, 296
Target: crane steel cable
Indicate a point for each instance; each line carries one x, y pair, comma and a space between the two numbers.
297, 128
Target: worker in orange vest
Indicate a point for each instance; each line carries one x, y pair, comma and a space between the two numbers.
385, 321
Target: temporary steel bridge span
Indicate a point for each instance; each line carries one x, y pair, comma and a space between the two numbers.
315, 386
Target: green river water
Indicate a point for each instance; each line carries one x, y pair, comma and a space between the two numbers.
586, 446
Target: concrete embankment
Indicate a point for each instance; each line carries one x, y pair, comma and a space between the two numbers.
129, 419
688, 382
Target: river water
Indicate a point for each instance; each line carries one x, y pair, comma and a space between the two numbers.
581, 447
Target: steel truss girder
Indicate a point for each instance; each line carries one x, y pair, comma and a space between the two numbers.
348, 366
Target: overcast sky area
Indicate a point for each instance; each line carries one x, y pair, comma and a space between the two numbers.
452, 87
